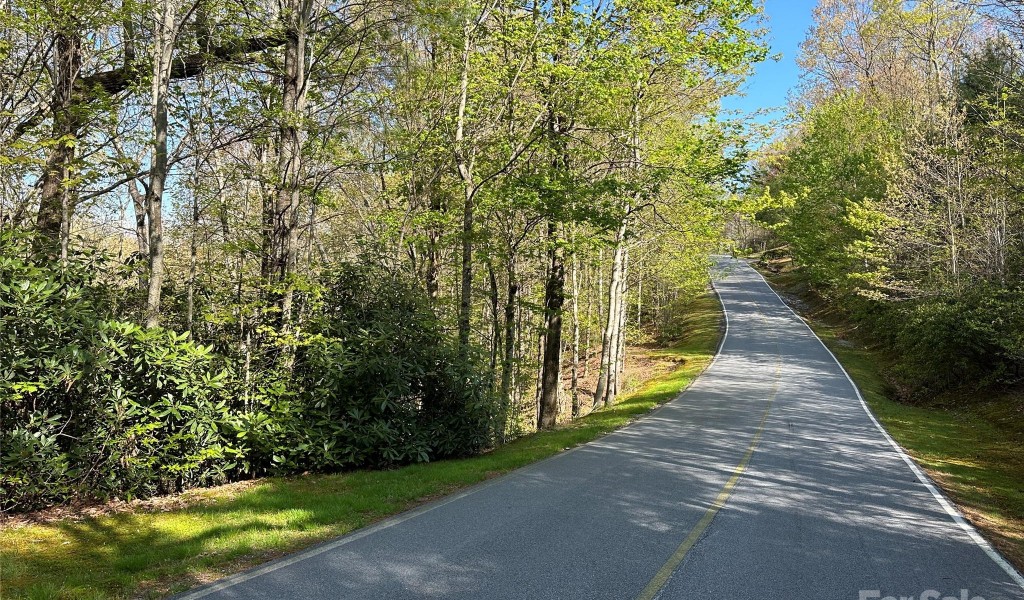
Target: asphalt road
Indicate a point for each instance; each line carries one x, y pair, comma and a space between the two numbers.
767, 479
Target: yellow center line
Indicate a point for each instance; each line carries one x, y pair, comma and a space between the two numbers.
665, 572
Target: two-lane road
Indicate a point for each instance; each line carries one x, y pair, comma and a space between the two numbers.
767, 479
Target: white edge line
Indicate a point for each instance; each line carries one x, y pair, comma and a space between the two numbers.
725, 334
233, 580
951, 510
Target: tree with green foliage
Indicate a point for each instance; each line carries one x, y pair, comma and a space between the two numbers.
896, 190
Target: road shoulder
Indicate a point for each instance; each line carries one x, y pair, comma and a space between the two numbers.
972, 449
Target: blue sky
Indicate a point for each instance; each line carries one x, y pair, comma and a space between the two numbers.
787, 22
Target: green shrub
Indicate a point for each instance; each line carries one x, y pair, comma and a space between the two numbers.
975, 338
93, 407
48, 317
381, 382
162, 414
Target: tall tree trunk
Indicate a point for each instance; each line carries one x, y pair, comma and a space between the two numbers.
53, 220
163, 53
285, 217
554, 289
597, 269
433, 239
613, 359
522, 347
139, 206
609, 337
588, 318
263, 155
554, 297
193, 253
495, 322
639, 294
574, 384
538, 387
620, 331
465, 167
616, 336
141, 233
509, 354
600, 285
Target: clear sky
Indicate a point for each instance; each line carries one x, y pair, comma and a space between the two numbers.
787, 22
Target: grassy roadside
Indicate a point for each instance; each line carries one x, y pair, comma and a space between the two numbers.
213, 532
973, 447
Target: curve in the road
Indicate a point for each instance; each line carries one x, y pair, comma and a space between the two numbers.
768, 478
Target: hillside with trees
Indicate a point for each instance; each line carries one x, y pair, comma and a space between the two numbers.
897, 190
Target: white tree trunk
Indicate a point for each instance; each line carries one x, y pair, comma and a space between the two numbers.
620, 350
609, 338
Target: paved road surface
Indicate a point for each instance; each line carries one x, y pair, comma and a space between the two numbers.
765, 480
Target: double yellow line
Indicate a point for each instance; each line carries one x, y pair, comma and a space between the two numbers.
666, 570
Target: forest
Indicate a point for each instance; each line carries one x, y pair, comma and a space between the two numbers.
241, 239
512, 298
287, 236
897, 186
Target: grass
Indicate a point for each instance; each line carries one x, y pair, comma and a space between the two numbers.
227, 529
970, 444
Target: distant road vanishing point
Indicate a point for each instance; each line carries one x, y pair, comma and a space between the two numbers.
766, 479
